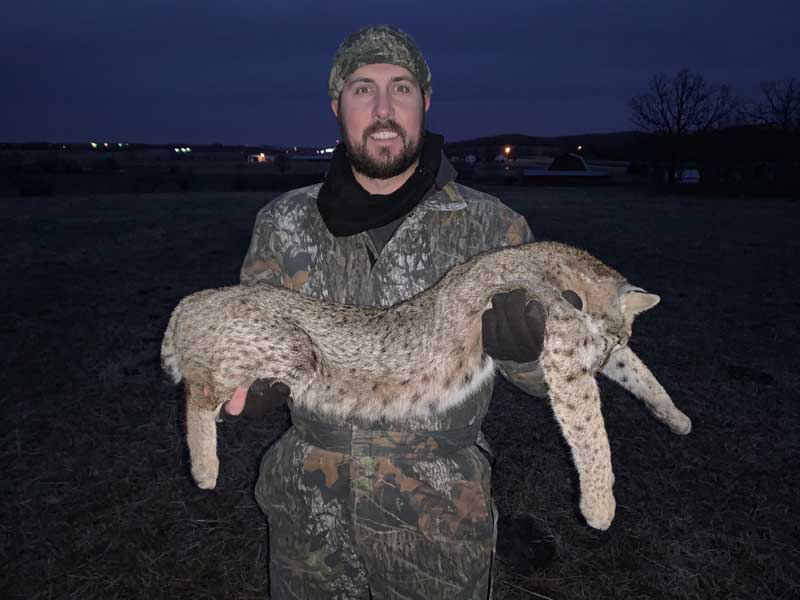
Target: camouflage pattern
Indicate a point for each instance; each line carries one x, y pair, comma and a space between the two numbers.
373, 45
392, 515
396, 510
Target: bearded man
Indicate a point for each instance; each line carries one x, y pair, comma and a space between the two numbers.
370, 508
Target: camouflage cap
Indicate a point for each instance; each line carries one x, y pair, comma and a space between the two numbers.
377, 44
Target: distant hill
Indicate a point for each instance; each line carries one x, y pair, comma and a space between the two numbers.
622, 145
129, 146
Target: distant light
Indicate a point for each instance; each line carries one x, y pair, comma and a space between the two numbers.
177, 149
63, 146
262, 155
105, 144
507, 150
329, 150
580, 148
295, 148
93, 144
119, 144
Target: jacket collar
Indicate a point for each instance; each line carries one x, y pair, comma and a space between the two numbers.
444, 195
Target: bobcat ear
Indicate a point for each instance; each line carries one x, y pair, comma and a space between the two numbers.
635, 300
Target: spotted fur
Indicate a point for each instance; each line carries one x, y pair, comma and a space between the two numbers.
422, 356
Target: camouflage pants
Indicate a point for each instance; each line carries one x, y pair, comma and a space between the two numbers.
382, 515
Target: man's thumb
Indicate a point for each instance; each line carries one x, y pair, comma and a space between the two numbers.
235, 405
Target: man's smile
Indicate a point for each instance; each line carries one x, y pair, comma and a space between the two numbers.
384, 134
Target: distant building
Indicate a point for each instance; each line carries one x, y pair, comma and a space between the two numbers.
568, 162
687, 176
565, 169
260, 158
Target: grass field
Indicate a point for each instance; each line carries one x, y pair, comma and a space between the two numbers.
98, 503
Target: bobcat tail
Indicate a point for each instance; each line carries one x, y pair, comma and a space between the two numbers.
169, 357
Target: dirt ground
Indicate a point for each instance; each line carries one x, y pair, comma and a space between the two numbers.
97, 501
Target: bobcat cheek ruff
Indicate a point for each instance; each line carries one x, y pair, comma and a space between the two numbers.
422, 356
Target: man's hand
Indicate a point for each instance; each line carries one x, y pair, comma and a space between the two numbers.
262, 398
513, 329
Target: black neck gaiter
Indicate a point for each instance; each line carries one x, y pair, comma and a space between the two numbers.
348, 209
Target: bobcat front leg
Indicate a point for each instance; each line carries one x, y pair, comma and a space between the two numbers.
575, 398
627, 369
201, 434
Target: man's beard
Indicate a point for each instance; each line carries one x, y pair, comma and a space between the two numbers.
386, 166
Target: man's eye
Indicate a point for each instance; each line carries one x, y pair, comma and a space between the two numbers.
362, 89
403, 88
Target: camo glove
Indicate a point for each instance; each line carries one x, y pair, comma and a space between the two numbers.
513, 329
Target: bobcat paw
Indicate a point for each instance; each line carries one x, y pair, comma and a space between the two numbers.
205, 476
599, 512
206, 483
681, 424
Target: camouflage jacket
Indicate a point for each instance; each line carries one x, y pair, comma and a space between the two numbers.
292, 247
393, 512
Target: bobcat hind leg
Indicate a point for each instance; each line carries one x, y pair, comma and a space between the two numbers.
201, 433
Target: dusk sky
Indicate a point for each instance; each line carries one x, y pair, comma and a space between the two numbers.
161, 71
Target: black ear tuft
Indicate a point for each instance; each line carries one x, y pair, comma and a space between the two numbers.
573, 298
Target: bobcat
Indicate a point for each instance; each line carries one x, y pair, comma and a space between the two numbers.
421, 356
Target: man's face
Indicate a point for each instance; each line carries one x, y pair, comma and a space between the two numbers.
381, 114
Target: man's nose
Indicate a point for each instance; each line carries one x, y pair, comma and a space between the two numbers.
383, 105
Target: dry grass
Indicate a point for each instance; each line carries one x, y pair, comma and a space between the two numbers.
98, 502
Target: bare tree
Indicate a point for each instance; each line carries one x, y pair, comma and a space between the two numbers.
681, 106
780, 105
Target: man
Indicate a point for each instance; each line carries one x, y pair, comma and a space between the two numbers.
378, 509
